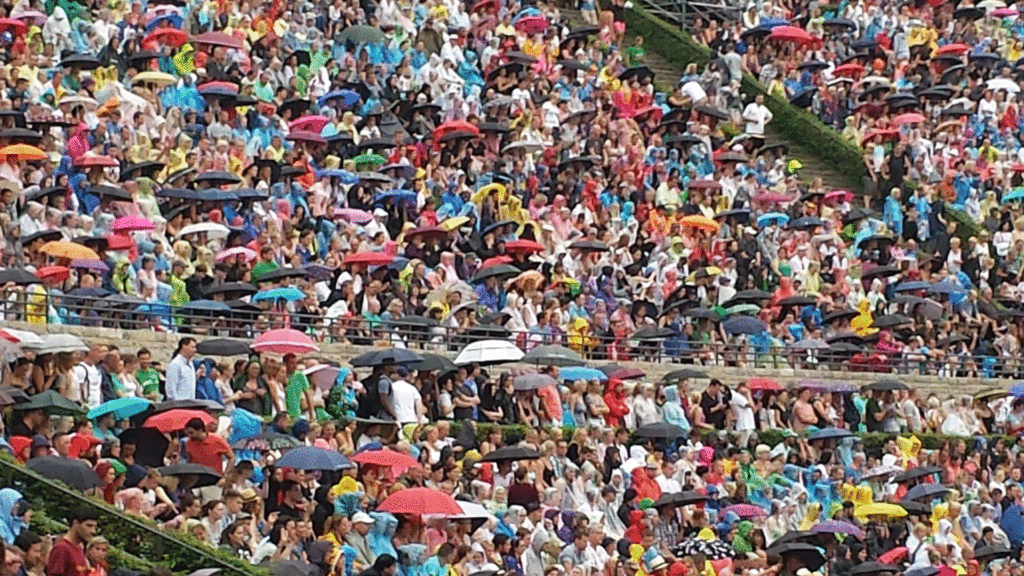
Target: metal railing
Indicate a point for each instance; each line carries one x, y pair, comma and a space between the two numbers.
246, 321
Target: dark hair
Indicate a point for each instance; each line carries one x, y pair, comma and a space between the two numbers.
28, 539
82, 514
181, 343
445, 550
383, 562
209, 506
195, 423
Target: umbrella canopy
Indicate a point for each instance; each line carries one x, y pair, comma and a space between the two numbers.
573, 373
150, 445
284, 341
511, 453
75, 473
131, 224
886, 385
659, 431
915, 473
53, 403
553, 355
266, 441
489, 352
205, 476
288, 293
387, 458
929, 491
121, 408
388, 356
175, 420
810, 556
534, 381
865, 568
744, 325
433, 363
222, 347
745, 511
838, 527
69, 250
880, 509
313, 458
420, 501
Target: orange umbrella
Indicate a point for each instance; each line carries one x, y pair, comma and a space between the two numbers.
700, 222
23, 152
69, 250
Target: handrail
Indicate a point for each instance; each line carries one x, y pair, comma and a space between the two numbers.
138, 538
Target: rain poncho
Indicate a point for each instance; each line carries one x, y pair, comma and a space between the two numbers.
10, 525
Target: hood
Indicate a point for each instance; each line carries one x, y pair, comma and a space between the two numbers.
672, 393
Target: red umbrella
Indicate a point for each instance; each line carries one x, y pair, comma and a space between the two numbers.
13, 25
893, 556
218, 39
764, 384
772, 197
850, 69
284, 341
886, 134
59, 273
387, 458
703, 185
790, 34
648, 112
839, 196
306, 136
485, 5
909, 118
455, 126
955, 48
494, 261
531, 24
420, 501
624, 373
175, 420
370, 258
170, 36
523, 246
1017, 168
310, 123
96, 160
745, 510
117, 242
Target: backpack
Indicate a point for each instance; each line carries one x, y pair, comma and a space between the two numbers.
369, 404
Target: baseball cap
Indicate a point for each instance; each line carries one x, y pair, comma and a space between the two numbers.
40, 441
361, 517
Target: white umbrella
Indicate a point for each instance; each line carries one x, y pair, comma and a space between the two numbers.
987, 4
13, 342
60, 343
525, 146
75, 99
322, 375
877, 80
211, 229
1003, 84
489, 352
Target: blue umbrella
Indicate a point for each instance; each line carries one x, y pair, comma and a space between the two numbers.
1017, 390
573, 373
217, 195
156, 308
777, 218
289, 293
313, 458
744, 325
1015, 194
947, 287
207, 306
347, 97
174, 20
806, 222
121, 408
829, 433
345, 176
912, 286
396, 195
770, 23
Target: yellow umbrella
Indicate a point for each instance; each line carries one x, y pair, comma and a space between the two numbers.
454, 222
155, 77
880, 509
483, 192
69, 250
23, 152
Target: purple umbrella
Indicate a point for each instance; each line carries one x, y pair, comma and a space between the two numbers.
838, 527
94, 265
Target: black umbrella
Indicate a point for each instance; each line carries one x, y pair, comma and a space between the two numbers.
553, 355
297, 106
638, 72
18, 276
886, 385
104, 191
798, 301
683, 374
222, 347
242, 288
496, 271
16, 394
218, 178
808, 555
660, 431
929, 491
866, 568
432, 363
206, 476
385, 357
150, 445
689, 497
267, 440
73, 472
796, 536
913, 507
955, 338
702, 313
283, 273
752, 295
914, 473
709, 110
835, 315
80, 61
744, 325
290, 568
590, 245
880, 272
186, 404
991, 552
653, 333
511, 453
890, 320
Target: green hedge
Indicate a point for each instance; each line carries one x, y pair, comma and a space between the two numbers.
795, 124
136, 543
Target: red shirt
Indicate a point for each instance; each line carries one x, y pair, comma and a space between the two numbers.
66, 559
209, 452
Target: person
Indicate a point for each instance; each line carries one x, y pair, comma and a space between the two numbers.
67, 558
356, 538
86, 381
205, 448
757, 116
298, 390
181, 376
406, 401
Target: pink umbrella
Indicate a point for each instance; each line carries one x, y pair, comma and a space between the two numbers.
1004, 12
33, 16
745, 510
306, 136
839, 196
310, 123
772, 197
353, 215
131, 224
284, 341
909, 118
250, 255
531, 24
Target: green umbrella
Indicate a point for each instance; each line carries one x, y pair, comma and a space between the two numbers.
368, 158
53, 403
743, 309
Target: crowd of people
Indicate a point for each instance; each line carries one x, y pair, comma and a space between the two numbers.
612, 474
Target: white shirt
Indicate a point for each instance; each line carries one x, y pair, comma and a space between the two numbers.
756, 115
694, 91
551, 119
668, 485
404, 397
181, 379
743, 411
87, 384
